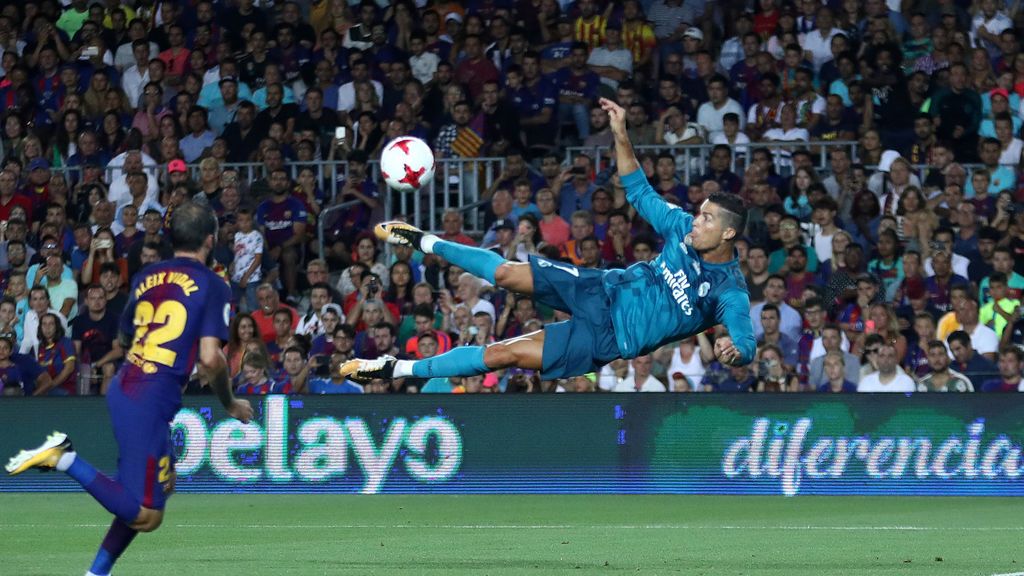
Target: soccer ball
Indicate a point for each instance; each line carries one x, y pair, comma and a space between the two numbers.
407, 164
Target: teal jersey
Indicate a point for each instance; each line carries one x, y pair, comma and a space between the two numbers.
677, 294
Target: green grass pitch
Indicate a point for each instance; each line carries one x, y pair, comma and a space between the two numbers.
245, 535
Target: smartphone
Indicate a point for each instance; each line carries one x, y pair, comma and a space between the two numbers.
578, 171
103, 244
869, 327
339, 133
91, 51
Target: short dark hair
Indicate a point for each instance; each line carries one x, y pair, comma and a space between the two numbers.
814, 301
735, 216
286, 311
191, 224
423, 310
960, 336
1011, 350
769, 307
385, 326
109, 267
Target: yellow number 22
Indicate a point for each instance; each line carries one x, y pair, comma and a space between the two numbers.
148, 343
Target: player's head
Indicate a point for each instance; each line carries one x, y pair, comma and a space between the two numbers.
722, 218
193, 228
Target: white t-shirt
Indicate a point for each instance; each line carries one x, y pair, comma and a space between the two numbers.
817, 106
652, 384
960, 265
1011, 156
823, 246
738, 147
621, 59
820, 46
984, 340
791, 135
711, 118
901, 383
347, 95
247, 247
424, 66
31, 330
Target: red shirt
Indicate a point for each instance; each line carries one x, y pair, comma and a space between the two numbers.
265, 322
353, 298
472, 75
16, 200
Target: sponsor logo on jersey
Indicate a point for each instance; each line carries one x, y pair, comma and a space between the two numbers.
678, 282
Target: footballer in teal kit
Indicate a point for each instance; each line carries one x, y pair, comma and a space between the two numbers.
694, 284
177, 314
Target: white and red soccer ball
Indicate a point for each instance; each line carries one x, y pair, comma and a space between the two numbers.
407, 164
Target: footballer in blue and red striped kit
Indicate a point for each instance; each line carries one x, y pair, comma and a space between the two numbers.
177, 315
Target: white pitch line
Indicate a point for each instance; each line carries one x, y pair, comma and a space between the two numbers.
1010, 574
555, 527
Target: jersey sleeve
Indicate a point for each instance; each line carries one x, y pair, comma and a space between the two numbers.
733, 312
218, 309
664, 217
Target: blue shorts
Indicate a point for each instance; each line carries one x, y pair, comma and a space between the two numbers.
585, 342
145, 461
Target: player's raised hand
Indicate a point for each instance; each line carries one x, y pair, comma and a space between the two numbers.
726, 352
240, 410
616, 116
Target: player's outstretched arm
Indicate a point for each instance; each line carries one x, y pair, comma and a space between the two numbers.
214, 367
664, 217
733, 312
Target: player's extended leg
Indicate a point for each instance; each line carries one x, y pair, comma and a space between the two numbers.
515, 276
523, 352
57, 453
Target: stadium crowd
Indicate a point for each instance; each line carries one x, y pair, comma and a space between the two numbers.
894, 266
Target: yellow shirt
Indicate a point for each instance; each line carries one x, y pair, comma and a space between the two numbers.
988, 316
590, 31
638, 37
947, 325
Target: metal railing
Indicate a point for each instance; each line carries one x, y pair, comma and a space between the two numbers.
692, 159
458, 183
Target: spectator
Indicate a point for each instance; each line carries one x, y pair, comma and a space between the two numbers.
245, 269
311, 323
255, 377
774, 293
270, 302
641, 380
834, 372
94, 337
577, 89
956, 112
12, 381
790, 236
55, 353
975, 366
294, 375
613, 62
283, 219
284, 320
243, 336
772, 336
998, 312
1010, 360
889, 377
711, 114
53, 275
983, 338
940, 377
1003, 263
